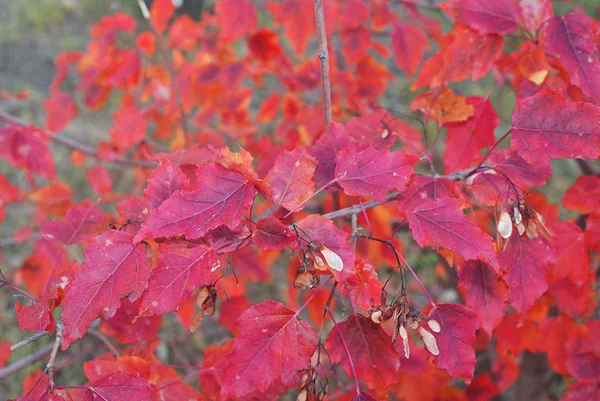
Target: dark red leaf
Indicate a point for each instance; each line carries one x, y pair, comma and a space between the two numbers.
426, 188
180, 270
35, 317
364, 286
584, 195
535, 13
221, 198
458, 324
524, 264
325, 150
127, 328
272, 235
545, 125
441, 223
500, 16
80, 224
164, 180
485, 292
373, 172
291, 178
374, 357
235, 18
273, 345
571, 38
114, 267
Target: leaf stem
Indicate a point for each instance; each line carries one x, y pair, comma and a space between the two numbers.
492, 149
335, 325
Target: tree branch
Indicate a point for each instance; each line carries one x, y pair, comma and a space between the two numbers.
73, 144
323, 59
28, 360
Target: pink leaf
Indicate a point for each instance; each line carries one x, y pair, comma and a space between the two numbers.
272, 235
498, 16
119, 386
291, 178
80, 224
408, 42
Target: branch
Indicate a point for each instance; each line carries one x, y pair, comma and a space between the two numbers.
323, 59
53, 353
29, 340
25, 362
73, 144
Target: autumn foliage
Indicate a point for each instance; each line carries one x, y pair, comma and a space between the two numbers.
404, 251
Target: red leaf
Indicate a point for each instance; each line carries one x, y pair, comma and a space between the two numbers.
519, 171
325, 150
373, 129
373, 172
572, 254
485, 292
408, 43
545, 125
164, 180
554, 332
127, 328
583, 391
324, 232
458, 324
364, 286
571, 39
26, 147
180, 270
523, 264
114, 267
129, 128
355, 43
61, 109
80, 224
235, 18
119, 386
583, 361
441, 223
374, 357
467, 139
4, 353
291, 178
222, 197
273, 345
272, 235
36, 317
99, 179
160, 14
295, 16
113, 23
426, 188
499, 16
584, 195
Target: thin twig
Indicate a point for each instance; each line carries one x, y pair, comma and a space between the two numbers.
100, 336
29, 340
76, 145
164, 53
53, 353
323, 59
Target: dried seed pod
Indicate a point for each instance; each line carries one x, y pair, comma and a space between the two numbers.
505, 225
333, 259
434, 325
429, 341
405, 343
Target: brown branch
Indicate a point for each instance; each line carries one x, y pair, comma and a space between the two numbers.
25, 362
6, 241
323, 59
73, 144
50, 366
164, 53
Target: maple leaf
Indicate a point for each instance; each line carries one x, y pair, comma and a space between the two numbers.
364, 286
523, 264
409, 43
322, 231
26, 147
584, 195
222, 197
374, 130
326, 149
272, 235
273, 345
554, 331
535, 13
572, 255
166, 179
441, 223
291, 178
485, 292
294, 16
458, 324
571, 39
127, 328
99, 179
501, 16
36, 317
119, 386
80, 224
129, 128
443, 107
424, 187
61, 109
180, 270
373, 172
114, 267
545, 126
160, 14
374, 357
235, 18
467, 139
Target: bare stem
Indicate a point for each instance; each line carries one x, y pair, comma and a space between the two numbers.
323, 59
53, 353
493, 147
29, 340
